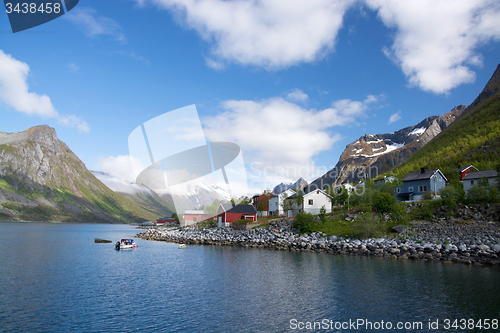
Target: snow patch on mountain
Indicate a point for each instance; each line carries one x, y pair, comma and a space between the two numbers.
418, 131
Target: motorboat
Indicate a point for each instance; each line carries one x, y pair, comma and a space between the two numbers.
125, 243
182, 246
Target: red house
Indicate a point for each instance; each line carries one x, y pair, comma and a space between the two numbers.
262, 201
465, 170
193, 217
163, 220
228, 213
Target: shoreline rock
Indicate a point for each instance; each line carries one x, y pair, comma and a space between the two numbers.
467, 243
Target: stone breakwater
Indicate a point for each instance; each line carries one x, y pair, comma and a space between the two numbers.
468, 243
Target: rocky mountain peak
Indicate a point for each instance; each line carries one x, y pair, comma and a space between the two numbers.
300, 183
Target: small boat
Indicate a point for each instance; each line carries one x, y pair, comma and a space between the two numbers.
126, 243
182, 246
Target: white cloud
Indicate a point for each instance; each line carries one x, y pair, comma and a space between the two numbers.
436, 40
297, 95
119, 167
93, 25
394, 117
273, 33
14, 93
73, 68
278, 136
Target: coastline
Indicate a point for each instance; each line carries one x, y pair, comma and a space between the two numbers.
476, 243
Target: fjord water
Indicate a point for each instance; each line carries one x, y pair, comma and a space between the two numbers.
54, 278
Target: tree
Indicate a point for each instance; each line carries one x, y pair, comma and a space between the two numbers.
299, 199
175, 217
322, 214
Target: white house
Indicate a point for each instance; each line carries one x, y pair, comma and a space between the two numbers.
275, 203
313, 201
473, 178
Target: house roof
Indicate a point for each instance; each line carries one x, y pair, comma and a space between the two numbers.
195, 212
461, 169
481, 174
306, 193
229, 208
412, 176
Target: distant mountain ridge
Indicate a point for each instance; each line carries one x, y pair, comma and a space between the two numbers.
41, 179
300, 183
202, 195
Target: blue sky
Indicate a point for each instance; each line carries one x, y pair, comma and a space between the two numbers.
291, 82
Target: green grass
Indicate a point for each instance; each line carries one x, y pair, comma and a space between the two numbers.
263, 225
5, 186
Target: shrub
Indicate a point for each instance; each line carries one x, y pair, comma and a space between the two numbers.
383, 202
427, 195
477, 194
451, 195
304, 222
241, 222
367, 225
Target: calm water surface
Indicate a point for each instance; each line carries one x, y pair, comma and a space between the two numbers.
54, 278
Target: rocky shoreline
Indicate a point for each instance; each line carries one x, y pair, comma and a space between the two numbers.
471, 243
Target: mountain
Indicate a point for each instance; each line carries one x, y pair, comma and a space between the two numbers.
371, 155
300, 183
474, 138
201, 195
41, 179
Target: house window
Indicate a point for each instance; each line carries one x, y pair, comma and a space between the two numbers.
422, 188
310, 202
410, 189
398, 190
472, 182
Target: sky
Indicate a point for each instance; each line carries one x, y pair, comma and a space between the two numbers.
290, 82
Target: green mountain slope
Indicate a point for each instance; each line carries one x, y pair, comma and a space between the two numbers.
41, 179
474, 138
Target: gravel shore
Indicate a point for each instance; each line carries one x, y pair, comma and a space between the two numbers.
471, 243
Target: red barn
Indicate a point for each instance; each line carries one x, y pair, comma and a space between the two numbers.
228, 213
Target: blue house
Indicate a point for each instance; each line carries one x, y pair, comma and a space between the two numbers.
416, 184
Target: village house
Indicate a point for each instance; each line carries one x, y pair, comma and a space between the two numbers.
473, 178
276, 202
383, 181
161, 221
416, 184
312, 203
228, 213
463, 171
193, 216
261, 203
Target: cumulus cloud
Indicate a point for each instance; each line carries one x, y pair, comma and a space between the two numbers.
86, 18
273, 33
297, 95
276, 133
436, 40
14, 93
394, 117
